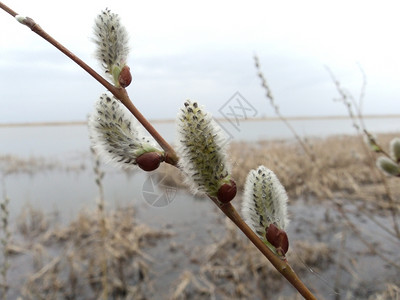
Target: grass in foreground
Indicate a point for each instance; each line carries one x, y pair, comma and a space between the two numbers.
65, 261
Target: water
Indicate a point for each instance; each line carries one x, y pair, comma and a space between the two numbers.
68, 140
58, 168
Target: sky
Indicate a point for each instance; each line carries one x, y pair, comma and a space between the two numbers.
203, 50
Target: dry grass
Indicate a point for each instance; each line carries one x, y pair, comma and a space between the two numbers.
31, 222
392, 292
66, 262
11, 164
232, 268
343, 168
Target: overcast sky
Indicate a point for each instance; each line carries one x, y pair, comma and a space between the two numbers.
204, 51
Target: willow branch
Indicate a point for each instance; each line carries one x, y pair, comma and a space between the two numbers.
118, 92
280, 264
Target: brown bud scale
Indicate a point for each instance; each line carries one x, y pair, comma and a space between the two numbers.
149, 161
227, 192
278, 238
125, 77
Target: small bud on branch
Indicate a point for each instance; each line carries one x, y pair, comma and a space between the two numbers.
125, 77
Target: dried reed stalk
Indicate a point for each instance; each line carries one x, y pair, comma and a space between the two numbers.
358, 122
5, 241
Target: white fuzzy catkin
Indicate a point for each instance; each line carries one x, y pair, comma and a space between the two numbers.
112, 40
116, 135
264, 202
394, 147
388, 166
201, 150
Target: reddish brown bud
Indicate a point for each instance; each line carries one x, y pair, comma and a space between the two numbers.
149, 161
278, 238
227, 192
125, 77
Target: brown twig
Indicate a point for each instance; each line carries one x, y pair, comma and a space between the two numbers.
120, 93
7, 9
280, 264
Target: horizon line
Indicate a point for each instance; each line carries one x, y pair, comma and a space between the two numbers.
293, 118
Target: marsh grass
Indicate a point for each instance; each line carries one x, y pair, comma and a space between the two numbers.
99, 175
231, 268
71, 258
67, 261
341, 168
5, 241
10, 164
341, 179
391, 291
31, 222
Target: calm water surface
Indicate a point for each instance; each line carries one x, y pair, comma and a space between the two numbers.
70, 185
71, 139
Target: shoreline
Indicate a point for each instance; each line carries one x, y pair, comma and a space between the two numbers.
160, 121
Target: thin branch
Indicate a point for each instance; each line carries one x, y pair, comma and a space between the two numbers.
7, 9
361, 130
362, 96
271, 99
280, 264
385, 228
345, 100
119, 93
357, 232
